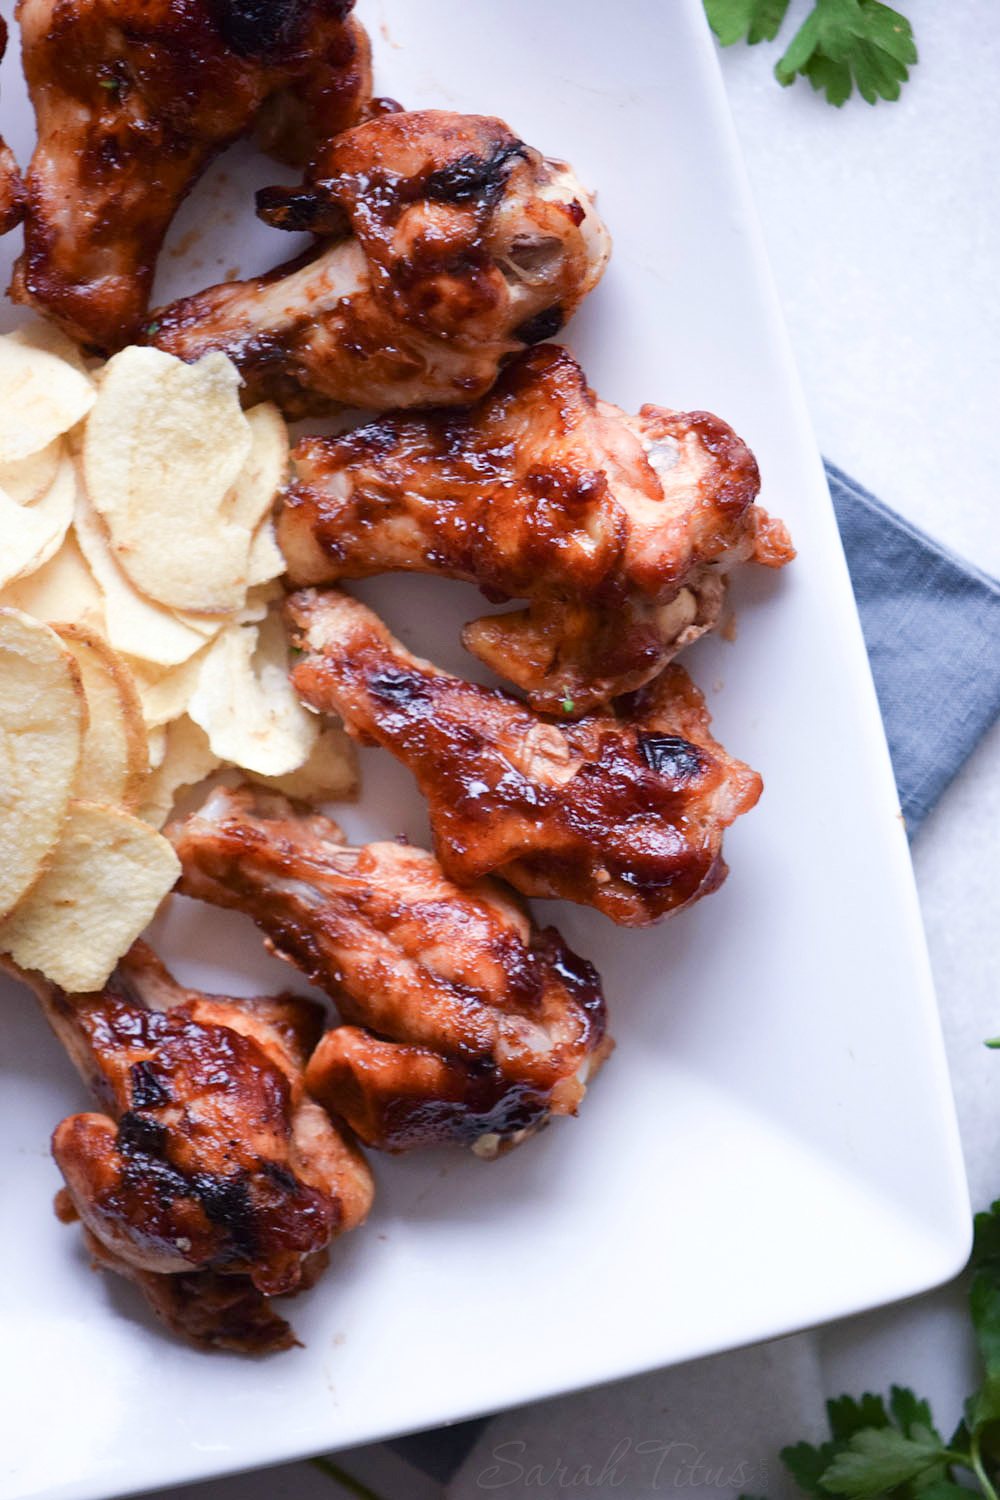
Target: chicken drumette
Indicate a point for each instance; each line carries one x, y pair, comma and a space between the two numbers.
466, 1023
11, 186
623, 810
133, 101
210, 1178
450, 245
620, 530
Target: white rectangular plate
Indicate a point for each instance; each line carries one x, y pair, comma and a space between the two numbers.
773, 1143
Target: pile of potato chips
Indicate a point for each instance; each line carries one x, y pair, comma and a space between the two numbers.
140, 647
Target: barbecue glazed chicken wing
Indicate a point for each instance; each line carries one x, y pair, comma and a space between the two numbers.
209, 1177
623, 810
466, 1023
11, 186
450, 246
134, 98
620, 530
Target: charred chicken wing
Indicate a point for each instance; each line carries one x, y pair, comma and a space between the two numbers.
450, 245
620, 530
11, 186
210, 1177
133, 101
623, 810
466, 1023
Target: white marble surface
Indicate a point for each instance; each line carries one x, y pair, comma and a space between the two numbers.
884, 231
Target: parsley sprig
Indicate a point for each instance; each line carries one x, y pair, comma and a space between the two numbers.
840, 44
880, 1451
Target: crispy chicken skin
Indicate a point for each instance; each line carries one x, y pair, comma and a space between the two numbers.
623, 810
450, 246
11, 186
133, 101
466, 1023
207, 1160
618, 529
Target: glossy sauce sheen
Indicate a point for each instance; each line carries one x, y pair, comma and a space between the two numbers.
618, 530
463, 1019
184, 1165
133, 102
416, 294
575, 811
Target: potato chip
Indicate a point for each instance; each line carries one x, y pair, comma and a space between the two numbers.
27, 479
31, 534
42, 719
61, 589
41, 396
165, 692
163, 447
259, 601
188, 759
267, 561
329, 775
135, 625
114, 766
101, 888
157, 741
246, 705
252, 497
45, 336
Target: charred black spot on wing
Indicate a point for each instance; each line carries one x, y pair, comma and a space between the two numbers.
472, 176
397, 689
279, 1175
147, 1089
302, 210
251, 27
543, 325
228, 1205
671, 756
579, 977
138, 1136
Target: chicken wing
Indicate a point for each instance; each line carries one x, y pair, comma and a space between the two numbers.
208, 1160
620, 530
133, 101
11, 186
623, 810
465, 1022
450, 246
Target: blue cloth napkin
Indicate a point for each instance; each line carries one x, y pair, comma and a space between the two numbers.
932, 627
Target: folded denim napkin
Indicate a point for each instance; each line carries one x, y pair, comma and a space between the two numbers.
932, 627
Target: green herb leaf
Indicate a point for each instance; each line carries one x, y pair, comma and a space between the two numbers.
757, 20
828, 77
878, 1459
807, 1464
909, 1412
944, 1489
848, 1416
986, 1240
984, 1308
843, 43
567, 704
983, 1408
